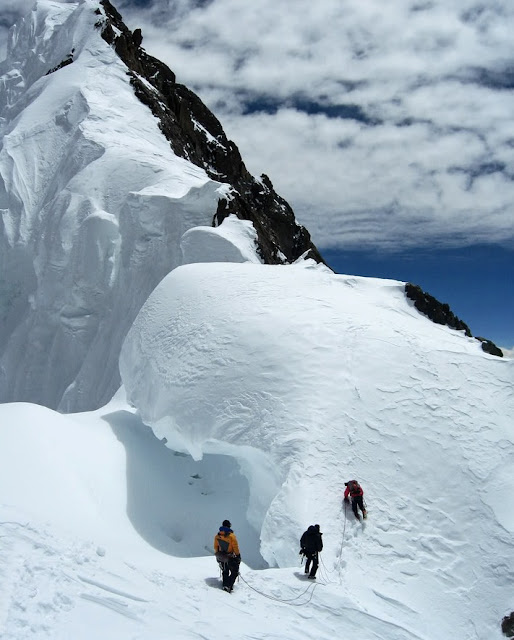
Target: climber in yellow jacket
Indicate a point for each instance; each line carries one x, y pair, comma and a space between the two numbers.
227, 553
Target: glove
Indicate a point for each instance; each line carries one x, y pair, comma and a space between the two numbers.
302, 552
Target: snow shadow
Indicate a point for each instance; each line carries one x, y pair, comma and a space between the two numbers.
177, 504
215, 583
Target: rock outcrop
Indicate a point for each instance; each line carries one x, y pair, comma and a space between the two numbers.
440, 313
195, 134
508, 625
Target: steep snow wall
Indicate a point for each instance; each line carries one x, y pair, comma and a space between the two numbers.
308, 379
105, 162
94, 205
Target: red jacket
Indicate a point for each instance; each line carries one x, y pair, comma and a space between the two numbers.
353, 489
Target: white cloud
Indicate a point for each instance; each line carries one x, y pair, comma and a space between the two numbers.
437, 164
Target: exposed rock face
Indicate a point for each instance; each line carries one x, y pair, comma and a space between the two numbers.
440, 313
195, 134
490, 347
68, 60
508, 625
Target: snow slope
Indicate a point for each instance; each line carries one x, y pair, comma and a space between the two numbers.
94, 205
87, 501
308, 378
283, 382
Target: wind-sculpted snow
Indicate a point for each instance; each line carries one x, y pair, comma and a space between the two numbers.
233, 241
286, 382
94, 207
314, 378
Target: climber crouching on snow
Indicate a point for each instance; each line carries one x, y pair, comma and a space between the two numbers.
354, 490
227, 553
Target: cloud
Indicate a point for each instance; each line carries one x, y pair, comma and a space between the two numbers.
385, 125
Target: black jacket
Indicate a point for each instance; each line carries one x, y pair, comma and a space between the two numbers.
311, 540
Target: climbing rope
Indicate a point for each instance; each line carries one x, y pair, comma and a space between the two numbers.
326, 570
342, 541
311, 587
344, 529
343, 538
290, 601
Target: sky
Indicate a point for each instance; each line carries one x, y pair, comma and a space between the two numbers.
107, 518
387, 128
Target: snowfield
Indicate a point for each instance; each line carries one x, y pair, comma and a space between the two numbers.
282, 383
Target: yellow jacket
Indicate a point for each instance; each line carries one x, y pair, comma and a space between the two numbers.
220, 540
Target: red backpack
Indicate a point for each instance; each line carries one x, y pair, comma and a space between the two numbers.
355, 488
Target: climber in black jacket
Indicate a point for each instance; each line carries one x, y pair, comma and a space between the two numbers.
311, 544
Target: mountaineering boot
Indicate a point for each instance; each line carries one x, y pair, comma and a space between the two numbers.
227, 589
312, 577
365, 514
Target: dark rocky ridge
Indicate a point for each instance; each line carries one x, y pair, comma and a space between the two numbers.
508, 625
440, 313
195, 134
68, 60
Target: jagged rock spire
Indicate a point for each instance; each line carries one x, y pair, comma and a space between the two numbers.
195, 134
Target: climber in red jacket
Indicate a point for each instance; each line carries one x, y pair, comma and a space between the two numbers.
354, 490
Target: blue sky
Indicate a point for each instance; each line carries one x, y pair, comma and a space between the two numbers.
477, 282
387, 127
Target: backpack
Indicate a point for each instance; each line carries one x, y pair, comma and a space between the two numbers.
222, 554
354, 488
311, 540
